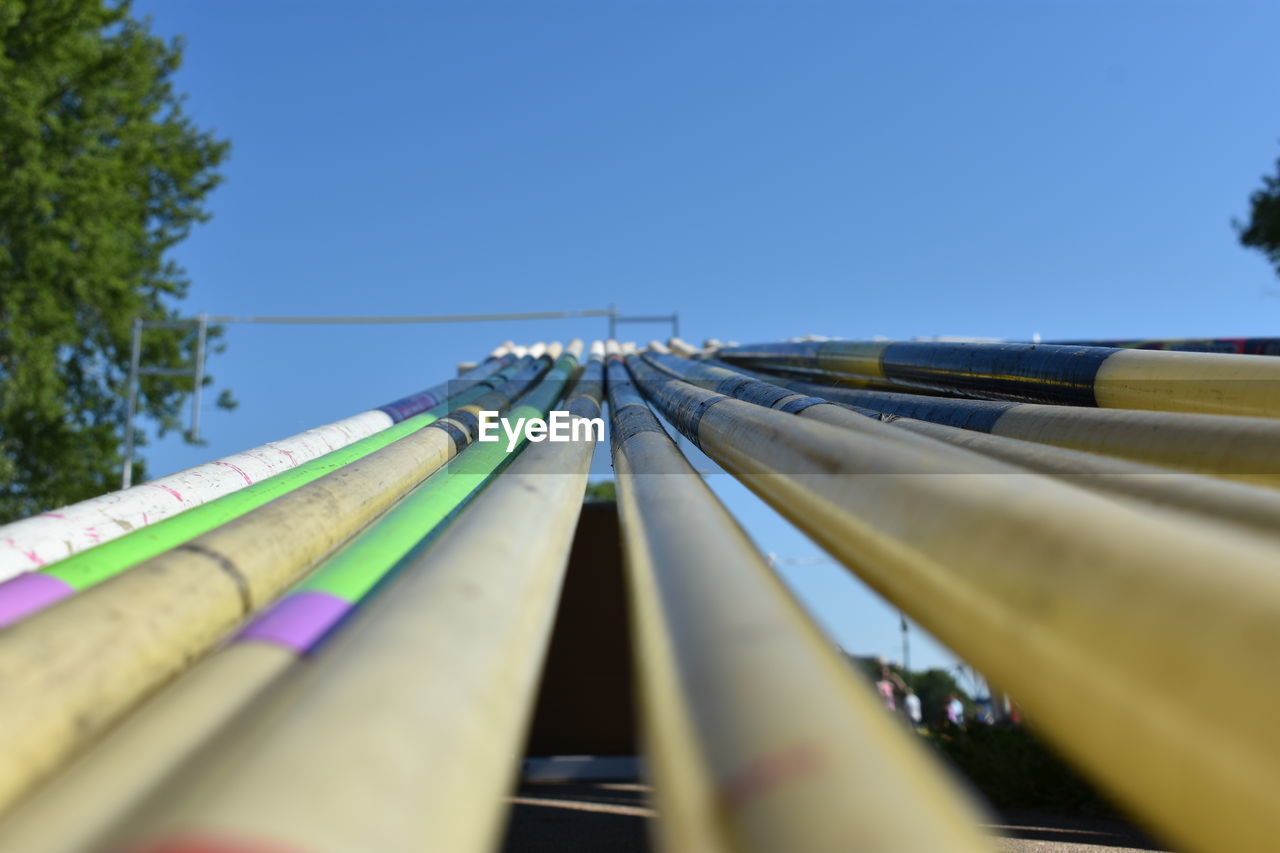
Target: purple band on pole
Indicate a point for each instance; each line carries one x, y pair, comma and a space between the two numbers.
25, 594
407, 407
298, 621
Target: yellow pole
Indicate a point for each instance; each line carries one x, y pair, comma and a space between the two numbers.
759, 736
1214, 383
1206, 498
1219, 383
1244, 449
78, 805
1257, 509
403, 732
1143, 647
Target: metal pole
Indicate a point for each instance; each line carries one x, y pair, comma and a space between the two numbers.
613, 322
202, 324
135, 355
906, 648
675, 325
415, 318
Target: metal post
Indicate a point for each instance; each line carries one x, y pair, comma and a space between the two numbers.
675, 325
202, 323
135, 355
613, 322
906, 648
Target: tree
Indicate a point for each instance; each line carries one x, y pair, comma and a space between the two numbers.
601, 491
101, 174
1263, 229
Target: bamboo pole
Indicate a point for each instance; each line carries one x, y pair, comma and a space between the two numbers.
1120, 632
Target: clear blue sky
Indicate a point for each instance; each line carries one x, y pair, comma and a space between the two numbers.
765, 169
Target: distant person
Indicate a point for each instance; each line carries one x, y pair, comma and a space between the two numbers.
911, 704
955, 710
888, 685
884, 686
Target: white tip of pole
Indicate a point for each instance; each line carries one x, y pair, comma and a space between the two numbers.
711, 344
681, 348
499, 351
611, 347
520, 351
630, 348
538, 350
554, 349
575, 348
658, 346
597, 349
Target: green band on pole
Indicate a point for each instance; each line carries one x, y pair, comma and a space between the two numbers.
358, 567
98, 564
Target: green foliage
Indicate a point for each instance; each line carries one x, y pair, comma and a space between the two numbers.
601, 491
101, 174
1263, 230
1014, 770
1008, 765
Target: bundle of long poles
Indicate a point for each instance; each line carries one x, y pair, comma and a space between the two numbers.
1060, 546
343, 654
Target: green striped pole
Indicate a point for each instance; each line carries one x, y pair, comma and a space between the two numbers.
403, 732
33, 543
29, 593
89, 796
69, 672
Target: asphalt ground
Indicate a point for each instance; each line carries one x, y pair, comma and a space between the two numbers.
614, 817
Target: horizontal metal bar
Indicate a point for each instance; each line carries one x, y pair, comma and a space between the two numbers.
423, 318
169, 324
661, 318
167, 371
